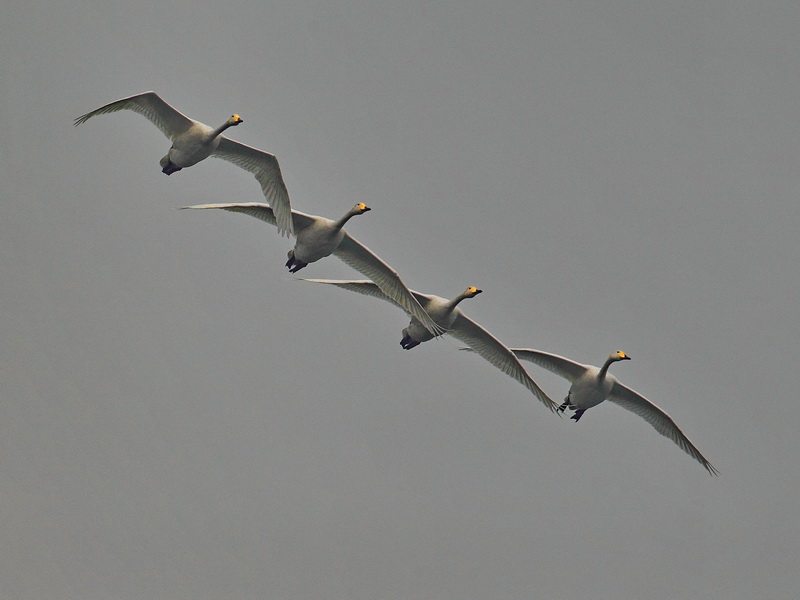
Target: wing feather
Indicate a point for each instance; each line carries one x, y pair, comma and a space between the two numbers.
260, 211
493, 350
660, 420
264, 166
363, 260
169, 120
367, 288
561, 366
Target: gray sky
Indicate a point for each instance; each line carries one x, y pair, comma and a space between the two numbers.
183, 420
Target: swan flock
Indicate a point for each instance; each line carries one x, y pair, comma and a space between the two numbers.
430, 316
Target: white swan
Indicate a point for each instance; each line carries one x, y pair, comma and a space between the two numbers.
592, 385
447, 314
193, 141
318, 237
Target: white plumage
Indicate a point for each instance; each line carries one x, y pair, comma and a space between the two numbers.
447, 314
318, 237
193, 141
592, 385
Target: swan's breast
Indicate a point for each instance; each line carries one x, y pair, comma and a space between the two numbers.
439, 310
588, 391
317, 241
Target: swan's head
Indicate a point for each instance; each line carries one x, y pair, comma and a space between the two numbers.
361, 208
619, 355
235, 120
471, 292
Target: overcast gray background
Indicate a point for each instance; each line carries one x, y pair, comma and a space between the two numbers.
181, 419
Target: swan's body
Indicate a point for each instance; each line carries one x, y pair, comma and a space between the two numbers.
318, 237
593, 385
193, 141
449, 316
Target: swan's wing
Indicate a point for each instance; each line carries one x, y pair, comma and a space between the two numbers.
362, 259
170, 121
268, 173
368, 288
660, 420
564, 367
261, 211
493, 350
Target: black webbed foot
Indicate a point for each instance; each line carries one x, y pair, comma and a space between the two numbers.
294, 265
407, 342
578, 414
170, 168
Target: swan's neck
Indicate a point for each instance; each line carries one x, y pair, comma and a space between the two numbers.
454, 302
340, 223
604, 369
214, 133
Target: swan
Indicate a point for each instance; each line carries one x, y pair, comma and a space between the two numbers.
193, 141
592, 385
447, 314
318, 237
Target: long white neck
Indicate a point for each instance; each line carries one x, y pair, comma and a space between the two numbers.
454, 302
604, 369
348, 215
214, 133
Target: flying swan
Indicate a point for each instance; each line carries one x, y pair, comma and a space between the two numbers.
447, 314
193, 141
592, 385
318, 237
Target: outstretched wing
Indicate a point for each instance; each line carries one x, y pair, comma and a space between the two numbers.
660, 420
170, 121
362, 259
260, 211
268, 174
564, 367
493, 350
368, 288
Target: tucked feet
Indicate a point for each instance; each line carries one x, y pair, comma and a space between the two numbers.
578, 414
407, 342
294, 265
170, 168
